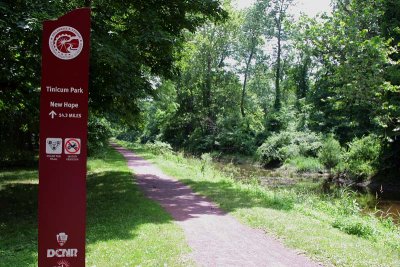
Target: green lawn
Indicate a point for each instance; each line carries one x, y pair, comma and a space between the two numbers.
329, 229
18, 217
123, 227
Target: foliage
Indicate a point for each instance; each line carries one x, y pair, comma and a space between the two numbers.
362, 158
331, 153
206, 160
20, 28
269, 152
99, 132
350, 89
288, 144
160, 148
236, 141
204, 81
22, 158
355, 226
305, 164
129, 135
235, 135
131, 43
128, 50
248, 47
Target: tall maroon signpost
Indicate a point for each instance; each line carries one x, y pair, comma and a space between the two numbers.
63, 139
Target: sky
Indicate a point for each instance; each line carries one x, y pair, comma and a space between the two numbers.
309, 7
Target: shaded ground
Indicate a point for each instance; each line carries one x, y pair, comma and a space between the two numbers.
123, 226
216, 238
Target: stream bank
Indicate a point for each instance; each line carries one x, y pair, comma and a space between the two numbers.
383, 200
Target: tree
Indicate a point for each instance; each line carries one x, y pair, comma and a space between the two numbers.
131, 43
209, 92
278, 11
136, 41
303, 65
352, 53
203, 74
249, 45
20, 28
391, 30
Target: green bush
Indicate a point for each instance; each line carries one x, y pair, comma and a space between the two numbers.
234, 134
129, 136
330, 154
160, 148
235, 141
200, 142
206, 160
99, 132
308, 142
362, 157
355, 225
287, 145
16, 157
270, 152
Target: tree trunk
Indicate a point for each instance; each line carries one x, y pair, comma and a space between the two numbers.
207, 87
246, 76
277, 104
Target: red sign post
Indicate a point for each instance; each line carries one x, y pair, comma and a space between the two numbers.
63, 139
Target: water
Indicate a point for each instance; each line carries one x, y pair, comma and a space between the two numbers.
389, 209
248, 172
268, 177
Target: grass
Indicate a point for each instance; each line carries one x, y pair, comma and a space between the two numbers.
328, 228
124, 228
305, 164
18, 221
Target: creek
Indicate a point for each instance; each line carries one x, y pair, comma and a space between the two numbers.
279, 177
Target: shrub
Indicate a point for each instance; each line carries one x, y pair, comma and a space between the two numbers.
160, 148
206, 159
309, 143
288, 144
346, 202
237, 140
330, 154
129, 136
270, 151
99, 132
17, 157
362, 157
200, 142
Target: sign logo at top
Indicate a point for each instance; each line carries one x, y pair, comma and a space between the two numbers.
66, 42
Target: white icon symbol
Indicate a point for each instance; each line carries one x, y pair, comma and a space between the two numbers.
52, 114
72, 146
66, 42
63, 263
53, 145
62, 239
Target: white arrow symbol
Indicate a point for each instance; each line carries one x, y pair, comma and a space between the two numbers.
52, 114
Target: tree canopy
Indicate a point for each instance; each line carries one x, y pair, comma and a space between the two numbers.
132, 42
263, 77
204, 76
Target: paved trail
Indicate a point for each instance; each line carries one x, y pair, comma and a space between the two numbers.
216, 238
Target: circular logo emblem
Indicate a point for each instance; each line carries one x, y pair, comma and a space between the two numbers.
66, 42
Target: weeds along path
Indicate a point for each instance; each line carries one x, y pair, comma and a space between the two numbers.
216, 238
